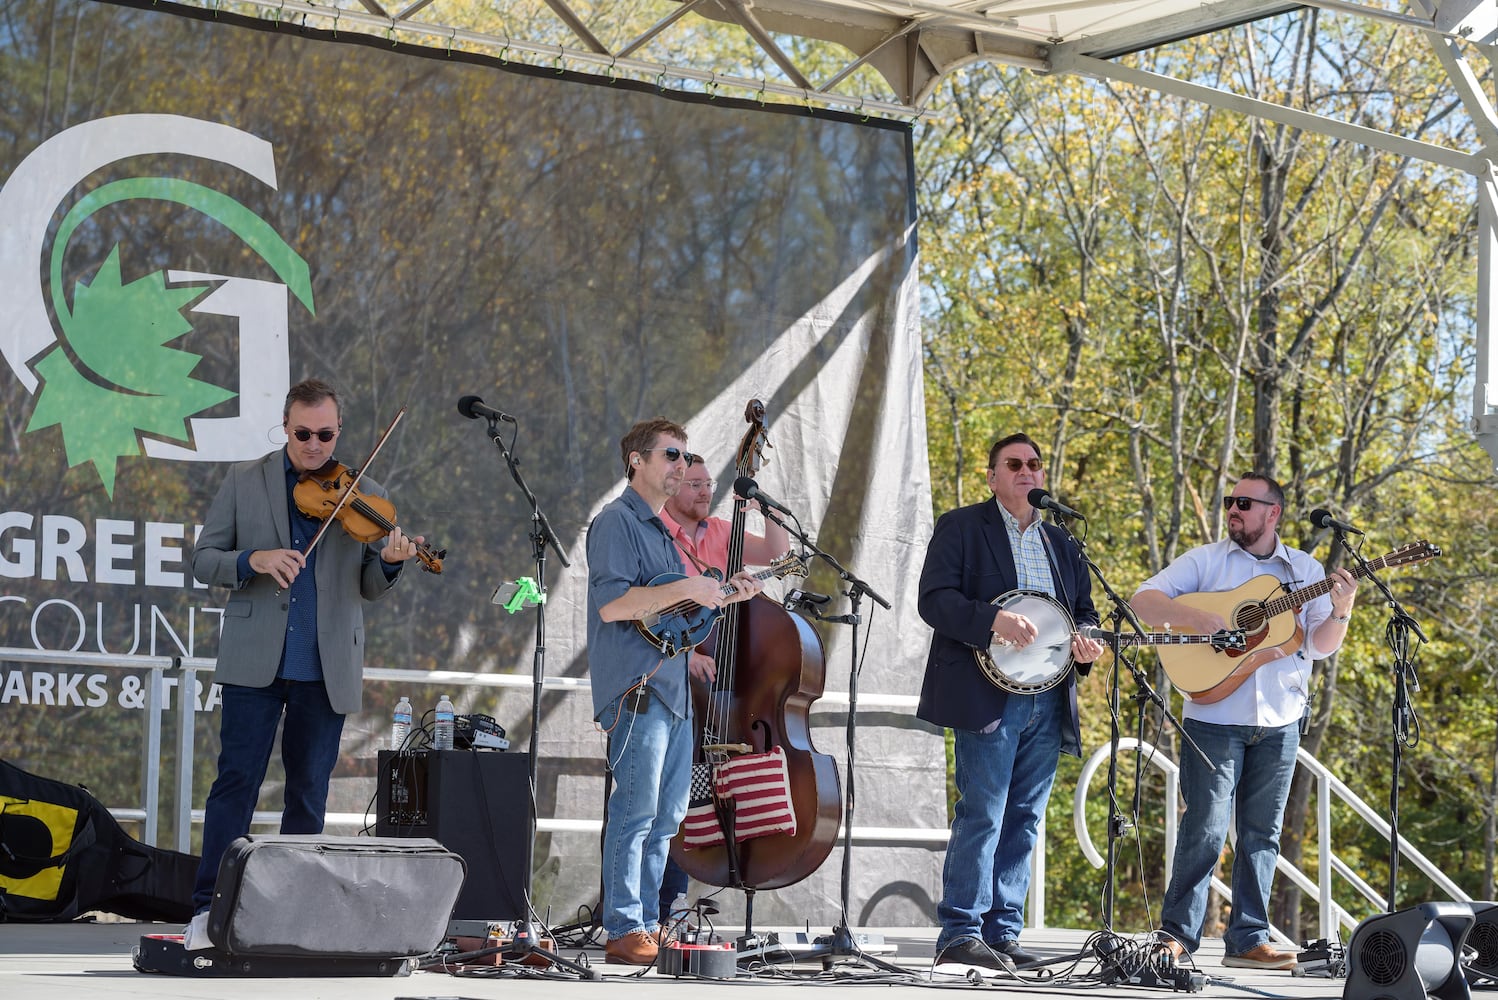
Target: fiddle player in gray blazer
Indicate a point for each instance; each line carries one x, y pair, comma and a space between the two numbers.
292, 640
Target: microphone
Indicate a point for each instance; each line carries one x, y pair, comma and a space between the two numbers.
1042, 500
1322, 518
749, 490
473, 407
796, 598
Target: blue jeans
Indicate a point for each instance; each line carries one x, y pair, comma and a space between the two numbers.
247, 729
650, 754
1004, 779
1254, 767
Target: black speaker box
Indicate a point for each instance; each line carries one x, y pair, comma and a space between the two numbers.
1411, 954
476, 803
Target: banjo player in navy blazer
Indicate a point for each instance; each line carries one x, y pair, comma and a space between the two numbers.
1006, 745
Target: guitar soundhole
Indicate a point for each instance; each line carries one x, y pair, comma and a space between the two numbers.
1250, 619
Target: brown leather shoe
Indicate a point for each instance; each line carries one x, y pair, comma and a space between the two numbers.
664, 937
1176, 950
1261, 956
634, 948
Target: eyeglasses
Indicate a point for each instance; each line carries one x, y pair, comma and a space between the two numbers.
672, 454
1244, 503
303, 434
700, 484
1016, 464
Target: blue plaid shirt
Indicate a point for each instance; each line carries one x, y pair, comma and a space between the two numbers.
1031, 565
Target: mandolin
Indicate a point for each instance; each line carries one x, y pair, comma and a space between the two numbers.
687, 625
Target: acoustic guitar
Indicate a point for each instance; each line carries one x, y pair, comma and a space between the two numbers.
1265, 612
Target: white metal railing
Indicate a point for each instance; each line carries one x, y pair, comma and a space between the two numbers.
1332, 915
164, 672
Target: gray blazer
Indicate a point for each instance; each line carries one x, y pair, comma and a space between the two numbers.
250, 512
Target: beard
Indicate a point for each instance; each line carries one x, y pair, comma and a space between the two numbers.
1245, 539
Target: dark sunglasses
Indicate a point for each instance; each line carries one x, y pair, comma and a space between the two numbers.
672, 454
1244, 503
1016, 464
303, 434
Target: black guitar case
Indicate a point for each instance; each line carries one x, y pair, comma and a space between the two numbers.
62, 855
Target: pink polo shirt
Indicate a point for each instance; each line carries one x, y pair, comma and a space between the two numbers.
710, 545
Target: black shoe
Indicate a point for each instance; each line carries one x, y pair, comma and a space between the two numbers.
972, 952
1011, 950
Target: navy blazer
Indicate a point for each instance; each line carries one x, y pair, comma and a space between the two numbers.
968, 563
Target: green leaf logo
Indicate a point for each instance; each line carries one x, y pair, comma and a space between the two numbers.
113, 377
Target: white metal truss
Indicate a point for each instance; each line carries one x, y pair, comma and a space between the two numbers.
913, 44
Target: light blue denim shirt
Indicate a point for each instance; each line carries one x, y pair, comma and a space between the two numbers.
628, 546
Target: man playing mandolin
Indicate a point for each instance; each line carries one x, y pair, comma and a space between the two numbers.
293, 631
1006, 744
640, 697
1250, 735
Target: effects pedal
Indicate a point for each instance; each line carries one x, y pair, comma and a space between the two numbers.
1322, 959
1166, 975
709, 961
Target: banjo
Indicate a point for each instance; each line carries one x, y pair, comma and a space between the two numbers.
1046, 662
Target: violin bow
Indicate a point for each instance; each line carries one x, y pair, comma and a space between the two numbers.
349, 490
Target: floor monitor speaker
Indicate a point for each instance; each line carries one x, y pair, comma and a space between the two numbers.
1482, 945
476, 803
1411, 954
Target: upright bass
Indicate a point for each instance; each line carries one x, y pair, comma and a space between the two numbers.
753, 717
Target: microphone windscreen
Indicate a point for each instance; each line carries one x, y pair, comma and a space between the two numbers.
465, 406
1038, 497
745, 487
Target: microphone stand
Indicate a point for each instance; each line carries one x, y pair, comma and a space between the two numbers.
526, 939
840, 942
1405, 721
1146, 974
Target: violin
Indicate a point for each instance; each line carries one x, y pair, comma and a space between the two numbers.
367, 518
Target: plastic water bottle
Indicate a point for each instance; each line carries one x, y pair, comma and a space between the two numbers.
442, 729
400, 723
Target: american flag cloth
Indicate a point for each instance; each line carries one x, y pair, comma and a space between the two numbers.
758, 793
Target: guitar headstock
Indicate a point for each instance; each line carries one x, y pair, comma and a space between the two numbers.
789, 564
1225, 639
1414, 552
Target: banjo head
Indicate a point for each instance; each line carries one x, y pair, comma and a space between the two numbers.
1042, 664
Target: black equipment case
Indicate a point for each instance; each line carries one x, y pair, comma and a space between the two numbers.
319, 905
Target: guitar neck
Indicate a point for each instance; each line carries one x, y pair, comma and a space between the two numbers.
1148, 638
1298, 598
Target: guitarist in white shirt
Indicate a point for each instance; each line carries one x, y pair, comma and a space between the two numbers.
1252, 734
